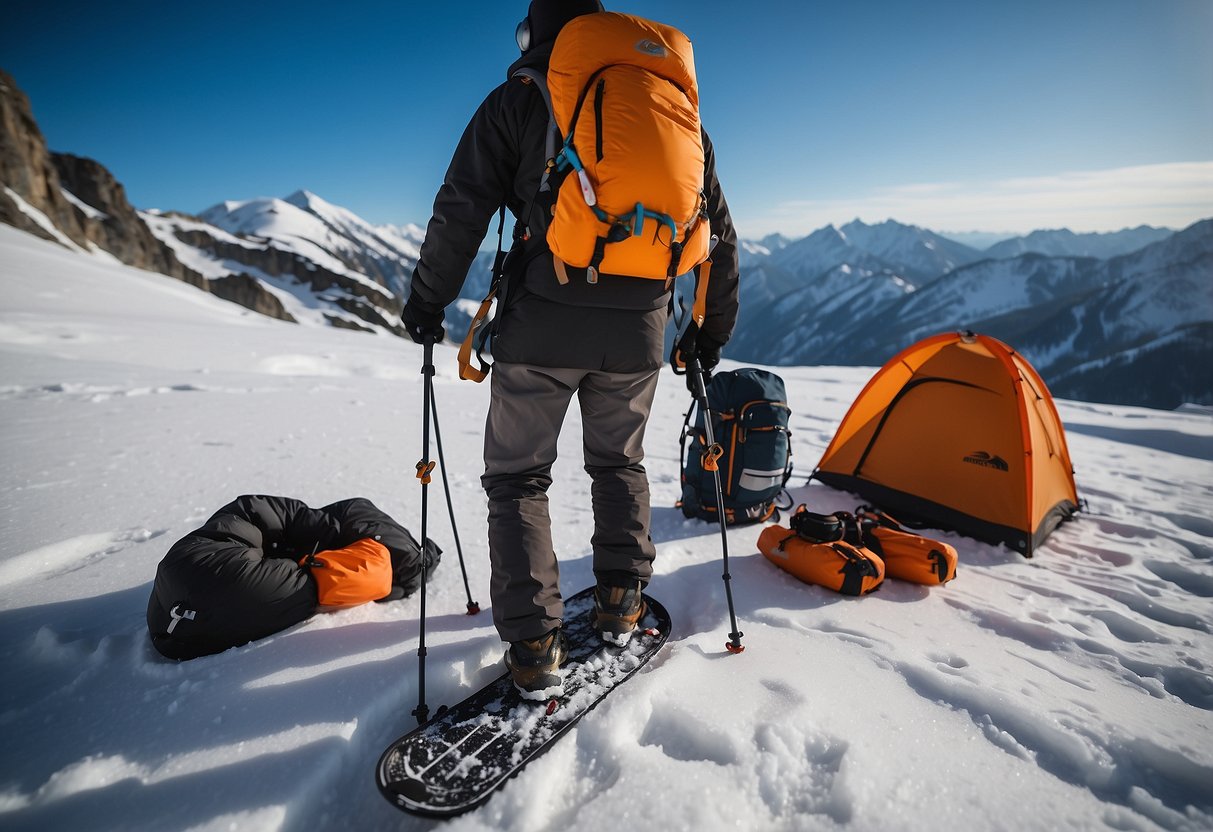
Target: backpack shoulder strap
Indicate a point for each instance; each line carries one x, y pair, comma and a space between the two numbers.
531, 75
482, 327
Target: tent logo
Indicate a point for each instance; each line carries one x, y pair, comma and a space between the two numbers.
985, 460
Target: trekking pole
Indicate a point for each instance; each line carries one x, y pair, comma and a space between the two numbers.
473, 607
710, 463
424, 468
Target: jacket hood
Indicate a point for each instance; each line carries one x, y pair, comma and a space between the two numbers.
536, 58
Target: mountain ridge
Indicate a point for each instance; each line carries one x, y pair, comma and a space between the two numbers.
853, 294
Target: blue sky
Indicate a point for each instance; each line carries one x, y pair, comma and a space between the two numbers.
950, 114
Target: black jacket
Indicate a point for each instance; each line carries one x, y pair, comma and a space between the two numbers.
617, 324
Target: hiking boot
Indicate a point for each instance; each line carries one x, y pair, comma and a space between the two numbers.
535, 665
617, 610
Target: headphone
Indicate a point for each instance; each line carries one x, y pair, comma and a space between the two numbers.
523, 34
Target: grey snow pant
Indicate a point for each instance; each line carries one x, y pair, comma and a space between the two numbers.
526, 411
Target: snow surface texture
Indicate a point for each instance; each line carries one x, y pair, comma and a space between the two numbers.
1071, 691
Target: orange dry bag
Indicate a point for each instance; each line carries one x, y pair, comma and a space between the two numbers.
907, 556
837, 565
352, 575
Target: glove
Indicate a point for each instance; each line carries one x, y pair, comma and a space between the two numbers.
421, 323
707, 350
707, 353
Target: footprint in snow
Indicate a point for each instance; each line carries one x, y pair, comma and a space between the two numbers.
798, 773
71, 554
681, 736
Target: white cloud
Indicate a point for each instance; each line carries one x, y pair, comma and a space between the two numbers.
1169, 195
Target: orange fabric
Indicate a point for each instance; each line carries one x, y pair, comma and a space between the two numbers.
910, 557
466, 371
353, 575
823, 564
962, 421
638, 137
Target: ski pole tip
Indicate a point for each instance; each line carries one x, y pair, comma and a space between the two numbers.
734, 645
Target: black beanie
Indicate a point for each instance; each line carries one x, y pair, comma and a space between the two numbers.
547, 17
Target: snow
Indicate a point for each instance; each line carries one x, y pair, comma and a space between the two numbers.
164, 225
206, 264
1070, 691
42, 220
89, 211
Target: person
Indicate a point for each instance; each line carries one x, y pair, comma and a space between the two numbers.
603, 342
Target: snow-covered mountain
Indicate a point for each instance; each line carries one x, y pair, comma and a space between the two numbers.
919, 253
750, 250
300, 259
1072, 691
321, 280
1062, 242
913, 253
980, 240
328, 235
322, 261
846, 296
1099, 326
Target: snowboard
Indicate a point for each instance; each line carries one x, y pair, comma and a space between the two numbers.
455, 762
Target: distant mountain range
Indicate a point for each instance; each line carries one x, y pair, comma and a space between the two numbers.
1122, 318
1136, 327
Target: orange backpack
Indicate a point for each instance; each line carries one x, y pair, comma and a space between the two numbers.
627, 166
630, 171
352, 575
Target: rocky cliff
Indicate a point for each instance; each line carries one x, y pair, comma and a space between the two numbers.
28, 174
78, 203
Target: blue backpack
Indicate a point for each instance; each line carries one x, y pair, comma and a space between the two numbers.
750, 417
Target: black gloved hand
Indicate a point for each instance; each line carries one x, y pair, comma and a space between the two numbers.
421, 323
707, 353
707, 350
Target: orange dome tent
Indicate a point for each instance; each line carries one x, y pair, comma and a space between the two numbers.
958, 432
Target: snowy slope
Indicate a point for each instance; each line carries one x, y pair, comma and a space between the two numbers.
1072, 691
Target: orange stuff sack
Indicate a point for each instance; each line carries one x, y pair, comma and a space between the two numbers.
837, 565
352, 575
907, 556
630, 172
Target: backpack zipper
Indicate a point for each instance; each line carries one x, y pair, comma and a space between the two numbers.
599, 91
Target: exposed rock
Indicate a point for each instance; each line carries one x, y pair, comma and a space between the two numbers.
97, 212
367, 301
116, 227
27, 170
247, 291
